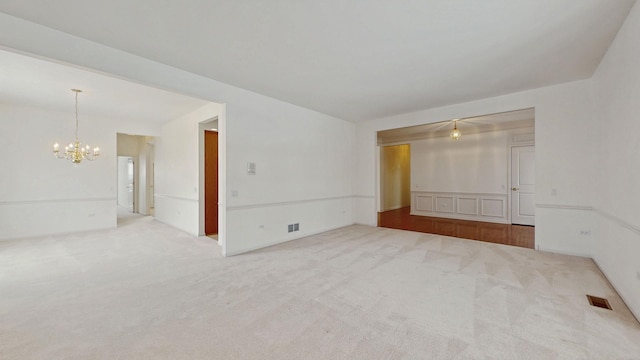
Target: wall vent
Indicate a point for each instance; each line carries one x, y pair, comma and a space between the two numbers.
599, 302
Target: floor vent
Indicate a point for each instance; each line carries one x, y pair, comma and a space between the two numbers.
599, 302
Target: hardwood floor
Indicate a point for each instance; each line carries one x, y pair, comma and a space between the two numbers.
515, 235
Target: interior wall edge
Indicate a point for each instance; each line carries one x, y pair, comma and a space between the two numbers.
623, 296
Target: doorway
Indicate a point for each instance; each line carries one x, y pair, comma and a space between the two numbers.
210, 182
395, 177
135, 156
464, 188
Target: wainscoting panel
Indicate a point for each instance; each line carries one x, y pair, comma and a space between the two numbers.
445, 204
464, 206
424, 203
493, 207
468, 205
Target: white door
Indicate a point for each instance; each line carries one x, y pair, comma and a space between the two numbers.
523, 190
125, 182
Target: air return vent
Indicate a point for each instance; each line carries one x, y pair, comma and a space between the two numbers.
599, 302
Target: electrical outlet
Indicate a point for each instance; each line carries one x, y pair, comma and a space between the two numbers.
585, 232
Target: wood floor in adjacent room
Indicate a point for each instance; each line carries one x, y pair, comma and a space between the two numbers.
507, 234
148, 291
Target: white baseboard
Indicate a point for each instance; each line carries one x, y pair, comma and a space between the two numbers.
282, 241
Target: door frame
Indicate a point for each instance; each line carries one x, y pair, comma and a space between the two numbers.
202, 127
509, 176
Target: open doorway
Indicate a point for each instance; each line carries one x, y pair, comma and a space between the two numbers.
395, 177
209, 179
469, 186
135, 177
210, 182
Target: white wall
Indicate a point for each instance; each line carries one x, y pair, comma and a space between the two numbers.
41, 195
177, 169
616, 87
466, 179
128, 145
303, 173
564, 158
476, 163
144, 167
304, 158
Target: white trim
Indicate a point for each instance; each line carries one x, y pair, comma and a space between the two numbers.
278, 242
31, 202
294, 202
617, 220
364, 197
563, 252
564, 207
458, 193
174, 197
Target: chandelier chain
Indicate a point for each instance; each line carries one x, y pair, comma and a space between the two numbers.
76, 115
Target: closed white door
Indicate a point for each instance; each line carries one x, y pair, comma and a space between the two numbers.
523, 190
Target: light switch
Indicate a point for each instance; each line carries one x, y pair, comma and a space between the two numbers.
251, 168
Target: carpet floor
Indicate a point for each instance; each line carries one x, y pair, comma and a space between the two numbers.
148, 291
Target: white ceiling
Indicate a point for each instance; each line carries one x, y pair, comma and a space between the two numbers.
28, 81
356, 59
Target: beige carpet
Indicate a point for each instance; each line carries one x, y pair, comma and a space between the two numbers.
148, 291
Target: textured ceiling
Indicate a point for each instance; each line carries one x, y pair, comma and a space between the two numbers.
358, 59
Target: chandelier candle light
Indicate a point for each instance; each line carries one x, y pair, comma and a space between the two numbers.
75, 152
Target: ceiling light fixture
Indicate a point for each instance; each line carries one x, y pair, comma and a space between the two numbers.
455, 133
75, 152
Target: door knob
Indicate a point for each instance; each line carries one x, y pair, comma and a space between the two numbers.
515, 188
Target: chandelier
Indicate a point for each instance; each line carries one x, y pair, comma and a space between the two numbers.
455, 133
75, 152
